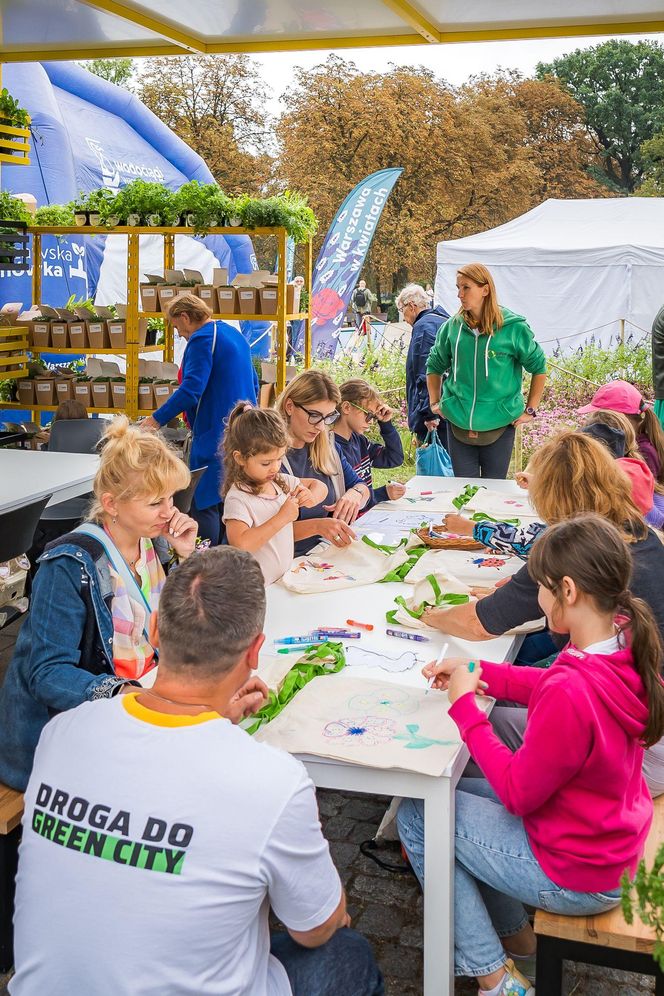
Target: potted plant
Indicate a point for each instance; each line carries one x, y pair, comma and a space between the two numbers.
80, 211
12, 209
239, 206
11, 112
55, 215
99, 205
201, 206
142, 202
645, 895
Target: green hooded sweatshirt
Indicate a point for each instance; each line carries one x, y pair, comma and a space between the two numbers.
483, 389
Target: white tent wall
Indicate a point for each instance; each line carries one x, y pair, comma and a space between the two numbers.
573, 268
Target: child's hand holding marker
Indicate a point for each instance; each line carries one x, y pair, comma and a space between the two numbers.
456, 675
395, 490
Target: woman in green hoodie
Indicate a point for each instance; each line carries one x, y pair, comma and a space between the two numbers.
484, 349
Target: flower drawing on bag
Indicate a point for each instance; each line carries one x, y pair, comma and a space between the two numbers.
489, 562
414, 740
392, 703
371, 731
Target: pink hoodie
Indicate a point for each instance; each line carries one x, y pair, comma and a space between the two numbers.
577, 779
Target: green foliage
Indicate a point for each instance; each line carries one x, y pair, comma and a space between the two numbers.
645, 896
621, 86
288, 210
143, 199
11, 111
55, 215
11, 209
652, 153
117, 71
80, 302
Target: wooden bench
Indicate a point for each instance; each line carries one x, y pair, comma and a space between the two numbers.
605, 939
11, 810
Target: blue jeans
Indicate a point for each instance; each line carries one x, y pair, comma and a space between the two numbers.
209, 521
482, 461
344, 966
495, 873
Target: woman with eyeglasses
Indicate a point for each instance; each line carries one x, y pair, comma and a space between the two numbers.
309, 405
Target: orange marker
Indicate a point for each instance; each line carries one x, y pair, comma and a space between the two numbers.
353, 622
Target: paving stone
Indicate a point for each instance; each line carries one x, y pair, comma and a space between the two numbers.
395, 891
365, 808
329, 803
411, 936
380, 922
401, 963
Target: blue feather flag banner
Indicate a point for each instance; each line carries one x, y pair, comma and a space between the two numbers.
342, 256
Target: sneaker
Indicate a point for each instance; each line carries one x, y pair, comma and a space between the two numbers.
526, 966
514, 983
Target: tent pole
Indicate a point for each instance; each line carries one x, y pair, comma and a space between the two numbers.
622, 331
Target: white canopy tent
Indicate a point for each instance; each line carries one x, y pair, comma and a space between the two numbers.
571, 267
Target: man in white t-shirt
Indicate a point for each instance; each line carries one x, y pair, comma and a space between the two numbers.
157, 834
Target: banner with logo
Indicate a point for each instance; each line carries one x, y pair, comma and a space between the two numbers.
342, 256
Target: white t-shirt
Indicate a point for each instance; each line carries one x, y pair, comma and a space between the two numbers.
152, 848
275, 556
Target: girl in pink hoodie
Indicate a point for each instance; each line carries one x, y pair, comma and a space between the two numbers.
556, 823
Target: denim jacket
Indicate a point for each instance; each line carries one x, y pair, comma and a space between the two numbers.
64, 652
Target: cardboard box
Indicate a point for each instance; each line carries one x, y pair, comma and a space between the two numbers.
82, 392
167, 295
269, 372
26, 392
145, 398
226, 301
149, 298
40, 334
59, 335
98, 334
268, 300
207, 293
100, 394
220, 276
118, 394
63, 389
45, 390
247, 299
293, 292
78, 335
161, 394
117, 333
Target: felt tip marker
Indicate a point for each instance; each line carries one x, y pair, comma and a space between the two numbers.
295, 639
407, 636
441, 658
471, 666
333, 634
301, 649
426, 492
353, 622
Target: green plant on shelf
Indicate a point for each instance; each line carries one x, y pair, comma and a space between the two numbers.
11, 112
201, 206
8, 390
12, 209
55, 215
80, 302
143, 202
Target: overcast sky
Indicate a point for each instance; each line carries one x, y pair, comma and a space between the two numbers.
454, 63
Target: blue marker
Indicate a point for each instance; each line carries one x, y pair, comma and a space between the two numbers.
407, 636
309, 638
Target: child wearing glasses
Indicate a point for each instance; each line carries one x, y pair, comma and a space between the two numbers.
261, 504
310, 407
360, 407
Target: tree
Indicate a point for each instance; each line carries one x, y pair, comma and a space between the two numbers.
621, 86
652, 153
472, 158
118, 71
216, 104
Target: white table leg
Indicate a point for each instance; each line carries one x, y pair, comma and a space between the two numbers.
439, 889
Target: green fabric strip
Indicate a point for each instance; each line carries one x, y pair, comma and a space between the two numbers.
485, 517
468, 492
399, 573
327, 658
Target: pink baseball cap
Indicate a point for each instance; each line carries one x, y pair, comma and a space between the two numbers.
618, 396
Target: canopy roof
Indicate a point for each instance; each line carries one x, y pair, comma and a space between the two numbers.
75, 29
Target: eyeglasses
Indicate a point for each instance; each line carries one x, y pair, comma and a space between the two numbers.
371, 416
315, 418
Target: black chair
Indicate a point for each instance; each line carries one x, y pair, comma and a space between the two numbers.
17, 530
73, 435
183, 499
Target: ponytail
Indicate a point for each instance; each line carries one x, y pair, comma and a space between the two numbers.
249, 432
646, 647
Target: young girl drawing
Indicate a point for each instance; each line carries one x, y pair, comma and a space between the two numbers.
546, 827
261, 504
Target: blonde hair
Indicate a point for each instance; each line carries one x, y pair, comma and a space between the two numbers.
574, 473
491, 317
188, 304
359, 392
135, 464
305, 390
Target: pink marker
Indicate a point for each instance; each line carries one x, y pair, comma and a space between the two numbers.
426, 492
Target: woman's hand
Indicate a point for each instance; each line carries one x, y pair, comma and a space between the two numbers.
181, 532
523, 419
523, 479
431, 424
149, 424
458, 524
248, 699
303, 497
395, 490
347, 508
336, 532
463, 681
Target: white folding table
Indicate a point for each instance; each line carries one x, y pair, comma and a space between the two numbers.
291, 614
27, 475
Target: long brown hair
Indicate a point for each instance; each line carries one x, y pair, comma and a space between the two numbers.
648, 423
251, 431
573, 473
308, 388
591, 552
491, 317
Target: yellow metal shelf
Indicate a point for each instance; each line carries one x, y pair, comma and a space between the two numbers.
89, 351
147, 230
233, 318
53, 408
12, 150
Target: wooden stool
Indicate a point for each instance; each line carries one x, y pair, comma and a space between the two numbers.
605, 939
11, 810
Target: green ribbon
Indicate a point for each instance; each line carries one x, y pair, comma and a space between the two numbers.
327, 658
468, 492
398, 573
484, 517
450, 598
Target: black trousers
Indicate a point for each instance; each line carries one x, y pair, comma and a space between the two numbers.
482, 461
